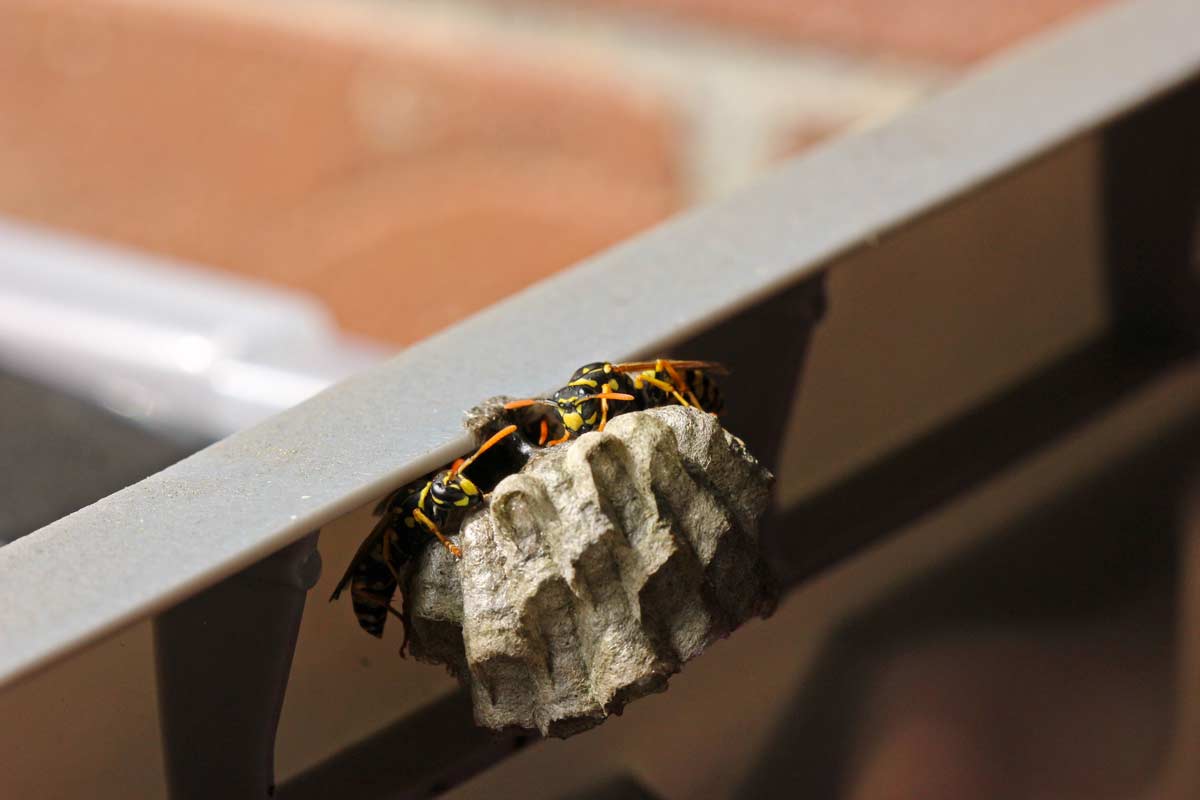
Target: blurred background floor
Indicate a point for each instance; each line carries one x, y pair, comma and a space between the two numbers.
411, 162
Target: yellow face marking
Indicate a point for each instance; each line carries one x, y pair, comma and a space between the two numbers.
584, 382
607, 368
573, 420
592, 419
467, 485
424, 494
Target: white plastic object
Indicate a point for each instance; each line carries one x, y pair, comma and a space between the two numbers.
172, 346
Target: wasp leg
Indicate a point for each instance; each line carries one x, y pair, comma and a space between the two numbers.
680, 383
387, 562
604, 397
666, 387
433, 528
374, 598
377, 599
404, 641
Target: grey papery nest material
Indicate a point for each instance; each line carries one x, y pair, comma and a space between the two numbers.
597, 571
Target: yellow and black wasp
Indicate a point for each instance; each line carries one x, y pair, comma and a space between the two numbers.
583, 405
408, 517
665, 382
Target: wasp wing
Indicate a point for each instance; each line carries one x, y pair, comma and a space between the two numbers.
714, 367
364, 551
383, 504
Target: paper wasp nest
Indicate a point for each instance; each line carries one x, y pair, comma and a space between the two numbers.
597, 571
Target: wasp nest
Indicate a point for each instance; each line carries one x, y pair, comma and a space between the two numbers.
597, 571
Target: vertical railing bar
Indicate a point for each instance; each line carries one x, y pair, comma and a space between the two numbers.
223, 661
1181, 774
1151, 205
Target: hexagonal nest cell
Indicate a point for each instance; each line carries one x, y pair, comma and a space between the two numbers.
598, 570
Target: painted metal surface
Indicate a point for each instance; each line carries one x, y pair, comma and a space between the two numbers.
172, 535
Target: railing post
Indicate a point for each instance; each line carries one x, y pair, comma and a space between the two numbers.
765, 346
223, 661
1181, 775
1151, 221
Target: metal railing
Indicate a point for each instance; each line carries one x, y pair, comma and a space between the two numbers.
221, 546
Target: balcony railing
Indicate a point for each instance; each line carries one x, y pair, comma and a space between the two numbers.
1049, 200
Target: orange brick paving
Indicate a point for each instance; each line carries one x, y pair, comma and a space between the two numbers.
406, 178
407, 183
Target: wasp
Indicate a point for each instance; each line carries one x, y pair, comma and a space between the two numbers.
583, 405
665, 382
408, 517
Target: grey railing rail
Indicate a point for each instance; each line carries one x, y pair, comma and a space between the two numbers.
740, 281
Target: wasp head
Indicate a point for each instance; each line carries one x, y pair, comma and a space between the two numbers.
578, 411
454, 490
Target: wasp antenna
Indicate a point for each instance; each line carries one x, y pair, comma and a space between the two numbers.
511, 404
483, 448
609, 396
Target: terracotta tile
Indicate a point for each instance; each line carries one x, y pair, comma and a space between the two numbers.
334, 159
